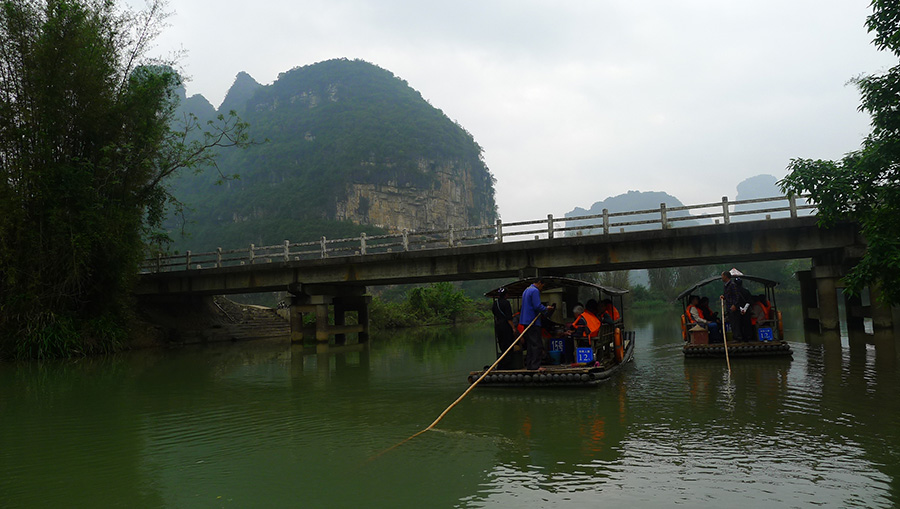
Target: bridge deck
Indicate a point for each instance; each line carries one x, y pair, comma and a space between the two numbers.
773, 239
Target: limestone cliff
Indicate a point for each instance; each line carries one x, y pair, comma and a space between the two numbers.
451, 200
350, 147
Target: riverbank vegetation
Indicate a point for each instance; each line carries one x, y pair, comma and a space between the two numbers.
437, 303
87, 143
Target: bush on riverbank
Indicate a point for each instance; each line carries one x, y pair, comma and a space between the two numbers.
437, 303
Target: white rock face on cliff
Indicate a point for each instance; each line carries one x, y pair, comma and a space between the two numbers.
450, 201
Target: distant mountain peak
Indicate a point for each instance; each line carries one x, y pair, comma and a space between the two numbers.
759, 186
241, 91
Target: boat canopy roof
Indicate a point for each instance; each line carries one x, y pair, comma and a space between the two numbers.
768, 283
515, 289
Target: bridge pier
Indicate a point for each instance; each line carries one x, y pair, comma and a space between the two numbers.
853, 306
318, 300
828, 280
819, 298
882, 315
808, 300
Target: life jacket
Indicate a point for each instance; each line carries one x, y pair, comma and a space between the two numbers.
574, 321
689, 316
767, 309
765, 312
612, 312
593, 323
576, 326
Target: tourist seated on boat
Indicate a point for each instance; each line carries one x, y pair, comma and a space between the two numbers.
694, 315
598, 339
708, 313
586, 326
758, 312
573, 333
578, 327
767, 306
608, 313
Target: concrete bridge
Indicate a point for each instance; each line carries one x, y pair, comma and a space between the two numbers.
333, 274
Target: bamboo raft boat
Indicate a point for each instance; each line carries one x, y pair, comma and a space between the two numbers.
608, 352
560, 375
769, 331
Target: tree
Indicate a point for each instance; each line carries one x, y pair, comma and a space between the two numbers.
864, 186
87, 143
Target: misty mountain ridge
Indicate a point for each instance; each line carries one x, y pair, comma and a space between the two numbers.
632, 200
759, 186
351, 148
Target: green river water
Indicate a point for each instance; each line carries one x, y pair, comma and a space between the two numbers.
265, 424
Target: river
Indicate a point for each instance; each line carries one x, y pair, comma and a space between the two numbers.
265, 424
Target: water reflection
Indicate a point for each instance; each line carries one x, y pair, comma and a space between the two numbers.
267, 423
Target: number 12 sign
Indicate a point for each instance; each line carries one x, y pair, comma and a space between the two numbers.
583, 355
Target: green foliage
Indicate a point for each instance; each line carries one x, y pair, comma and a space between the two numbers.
667, 283
438, 300
641, 293
85, 146
424, 305
386, 314
864, 186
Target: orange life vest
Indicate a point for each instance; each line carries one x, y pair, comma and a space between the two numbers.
689, 316
593, 323
765, 313
612, 312
767, 309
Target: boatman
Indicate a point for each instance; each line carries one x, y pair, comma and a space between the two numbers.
732, 297
504, 330
531, 308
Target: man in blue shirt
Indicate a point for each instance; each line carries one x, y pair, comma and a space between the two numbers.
531, 308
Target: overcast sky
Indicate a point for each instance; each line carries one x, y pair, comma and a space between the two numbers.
574, 101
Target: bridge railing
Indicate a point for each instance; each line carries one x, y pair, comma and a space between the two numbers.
605, 223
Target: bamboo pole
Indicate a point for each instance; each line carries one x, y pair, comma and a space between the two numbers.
467, 391
725, 339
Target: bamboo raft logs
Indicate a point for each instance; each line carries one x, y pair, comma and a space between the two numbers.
556, 376
755, 349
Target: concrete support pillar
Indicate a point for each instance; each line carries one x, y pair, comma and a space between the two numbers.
362, 312
882, 315
808, 300
320, 300
296, 321
829, 317
322, 333
827, 275
339, 320
855, 312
